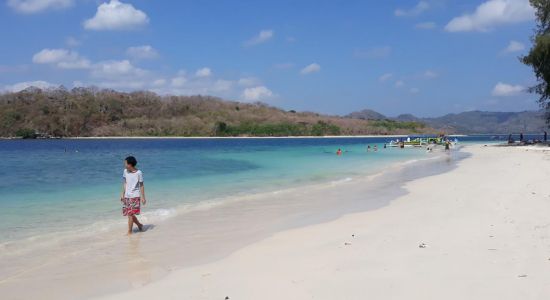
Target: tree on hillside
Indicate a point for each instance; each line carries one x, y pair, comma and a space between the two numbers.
539, 55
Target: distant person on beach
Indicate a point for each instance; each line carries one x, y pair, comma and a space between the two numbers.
133, 193
510, 139
521, 137
339, 152
545, 137
447, 145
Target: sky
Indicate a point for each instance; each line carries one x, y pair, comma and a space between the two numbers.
428, 58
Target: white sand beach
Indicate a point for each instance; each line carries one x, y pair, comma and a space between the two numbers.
480, 231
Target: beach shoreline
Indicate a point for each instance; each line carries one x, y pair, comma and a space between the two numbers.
228, 223
480, 231
232, 137
385, 236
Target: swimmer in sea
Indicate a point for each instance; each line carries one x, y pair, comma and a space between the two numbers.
339, 152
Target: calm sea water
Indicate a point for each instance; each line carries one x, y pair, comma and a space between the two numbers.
49, 186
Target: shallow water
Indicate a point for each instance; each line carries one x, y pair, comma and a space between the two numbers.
50, 186
53, 185
221, 187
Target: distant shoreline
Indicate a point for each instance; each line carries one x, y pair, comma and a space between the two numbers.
227, 137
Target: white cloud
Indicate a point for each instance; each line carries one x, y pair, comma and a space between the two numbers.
503, 89
61, 58
142, 52
514, 46
72, 42
179, 81
311, 68
181, 85
248, 81
399, 83
374, 53
414, 90
491, 14
119, 70
385, 77
116, 15
159, 82
123, 85
256, 93
262, 37
26, 84
425, 25
429, 74
203, 72
421, 7
222, 85
35, 6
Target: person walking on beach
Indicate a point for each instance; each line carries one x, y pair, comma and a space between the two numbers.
521, 137
545, 137
133, 193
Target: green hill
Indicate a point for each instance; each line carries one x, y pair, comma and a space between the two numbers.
91, 112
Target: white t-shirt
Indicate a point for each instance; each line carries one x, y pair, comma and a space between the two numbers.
133, 180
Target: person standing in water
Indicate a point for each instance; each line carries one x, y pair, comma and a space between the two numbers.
133, 193
339, 152
375, 148
545, 137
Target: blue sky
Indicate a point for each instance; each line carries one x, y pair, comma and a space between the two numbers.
428, 57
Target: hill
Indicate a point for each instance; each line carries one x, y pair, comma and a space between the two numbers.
367, 114
487, 122
93, 112
474, 122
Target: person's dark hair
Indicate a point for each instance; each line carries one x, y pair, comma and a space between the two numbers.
131, 161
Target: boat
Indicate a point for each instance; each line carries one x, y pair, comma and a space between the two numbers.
418, 142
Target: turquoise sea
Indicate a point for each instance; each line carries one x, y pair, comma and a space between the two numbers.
56, 186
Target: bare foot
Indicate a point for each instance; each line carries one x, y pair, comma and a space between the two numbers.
129, 233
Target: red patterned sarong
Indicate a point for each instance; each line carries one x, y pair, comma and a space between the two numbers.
131, 206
